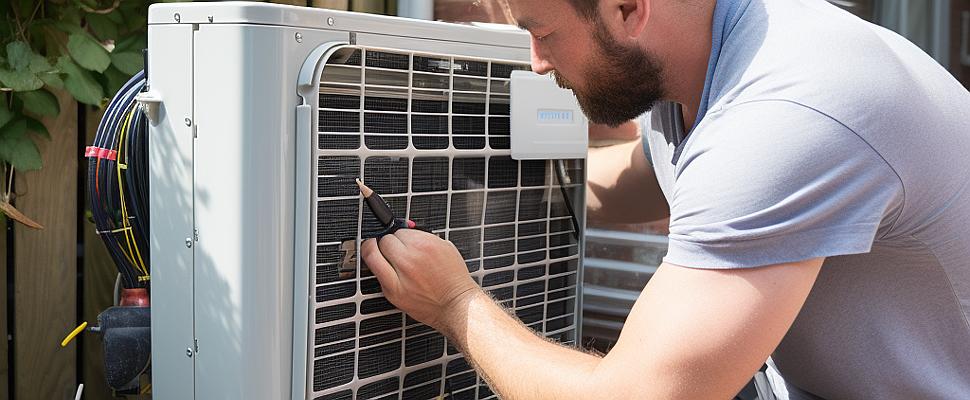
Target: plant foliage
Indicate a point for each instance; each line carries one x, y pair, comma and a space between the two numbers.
88, 48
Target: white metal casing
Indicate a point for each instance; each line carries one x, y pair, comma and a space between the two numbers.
227, 221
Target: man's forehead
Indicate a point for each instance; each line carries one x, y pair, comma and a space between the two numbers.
532, 14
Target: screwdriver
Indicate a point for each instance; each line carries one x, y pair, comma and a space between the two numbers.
382, 211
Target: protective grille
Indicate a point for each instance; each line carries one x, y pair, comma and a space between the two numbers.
430, 133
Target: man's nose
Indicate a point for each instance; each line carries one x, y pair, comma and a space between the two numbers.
540, 63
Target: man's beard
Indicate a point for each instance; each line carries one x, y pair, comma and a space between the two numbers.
622, 84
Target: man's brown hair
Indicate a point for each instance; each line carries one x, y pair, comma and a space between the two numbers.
585, 8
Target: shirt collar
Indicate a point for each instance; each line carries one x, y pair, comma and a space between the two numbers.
727, 13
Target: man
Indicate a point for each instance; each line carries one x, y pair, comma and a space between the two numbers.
813, 165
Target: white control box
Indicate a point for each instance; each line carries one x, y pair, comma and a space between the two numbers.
547, 122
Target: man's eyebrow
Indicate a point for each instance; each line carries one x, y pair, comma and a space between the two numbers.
526, 23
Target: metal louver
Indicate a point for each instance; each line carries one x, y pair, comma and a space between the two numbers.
430, 133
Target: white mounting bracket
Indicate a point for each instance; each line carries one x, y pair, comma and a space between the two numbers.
149, 102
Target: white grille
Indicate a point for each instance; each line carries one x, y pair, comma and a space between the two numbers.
430, 134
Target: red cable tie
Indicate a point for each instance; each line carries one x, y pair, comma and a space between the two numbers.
103, 153
90, 151
112, 155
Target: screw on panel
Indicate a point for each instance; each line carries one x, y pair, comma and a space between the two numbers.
299, 37
188, 242
210, 18
331, 21
188, 122
178, 18
188, 352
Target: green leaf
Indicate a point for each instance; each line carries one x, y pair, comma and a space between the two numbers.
70, 16
39, 63
80, 83
129, 63
20, 81
17, 149
87, 52
19, 55
40, 102
52, 79
115, 79
133, 43
68, 27
46, 72
116, 17
102, 27
38, 127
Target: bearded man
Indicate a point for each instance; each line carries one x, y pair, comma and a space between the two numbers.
815, 171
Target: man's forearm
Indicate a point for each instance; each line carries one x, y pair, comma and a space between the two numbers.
622, 187
516, 362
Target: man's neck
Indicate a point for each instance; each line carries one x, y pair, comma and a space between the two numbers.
685, 57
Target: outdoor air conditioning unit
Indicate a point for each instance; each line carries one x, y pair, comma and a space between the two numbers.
262, 117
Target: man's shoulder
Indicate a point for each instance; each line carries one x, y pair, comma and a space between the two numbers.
808, 51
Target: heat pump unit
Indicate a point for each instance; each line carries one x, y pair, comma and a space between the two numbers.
262, 117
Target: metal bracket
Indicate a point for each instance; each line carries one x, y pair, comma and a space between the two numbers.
149, 102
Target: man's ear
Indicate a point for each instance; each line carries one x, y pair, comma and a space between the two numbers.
632, 14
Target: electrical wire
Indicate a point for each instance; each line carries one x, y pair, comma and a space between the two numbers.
118, 184
563, 180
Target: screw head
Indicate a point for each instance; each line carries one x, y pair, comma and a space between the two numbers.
178, 18
331, 21
188, 122
299, 37
188, 352
210, 18
188, 242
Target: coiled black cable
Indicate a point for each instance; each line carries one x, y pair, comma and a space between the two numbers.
118, 184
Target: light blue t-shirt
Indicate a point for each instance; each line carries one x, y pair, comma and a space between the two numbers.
822, 135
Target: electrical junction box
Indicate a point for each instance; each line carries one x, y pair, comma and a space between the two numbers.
263, 117
547, 122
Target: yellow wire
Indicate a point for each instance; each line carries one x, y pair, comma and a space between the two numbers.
74, 333
121, 189
141, 261
130, 234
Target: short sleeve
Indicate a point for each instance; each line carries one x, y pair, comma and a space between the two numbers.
772, 182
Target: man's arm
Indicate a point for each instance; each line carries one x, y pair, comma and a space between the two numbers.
621, 184
692, 333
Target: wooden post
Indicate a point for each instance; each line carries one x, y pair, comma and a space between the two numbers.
332, 4
4, 372
290, 2
369, 6
45, 266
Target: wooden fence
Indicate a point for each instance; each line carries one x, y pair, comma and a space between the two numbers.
53, 279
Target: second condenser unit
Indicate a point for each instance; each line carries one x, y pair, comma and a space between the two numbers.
266, 115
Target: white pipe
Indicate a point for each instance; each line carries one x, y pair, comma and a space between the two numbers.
417, 9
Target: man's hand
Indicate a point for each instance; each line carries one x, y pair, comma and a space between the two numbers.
422, 274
